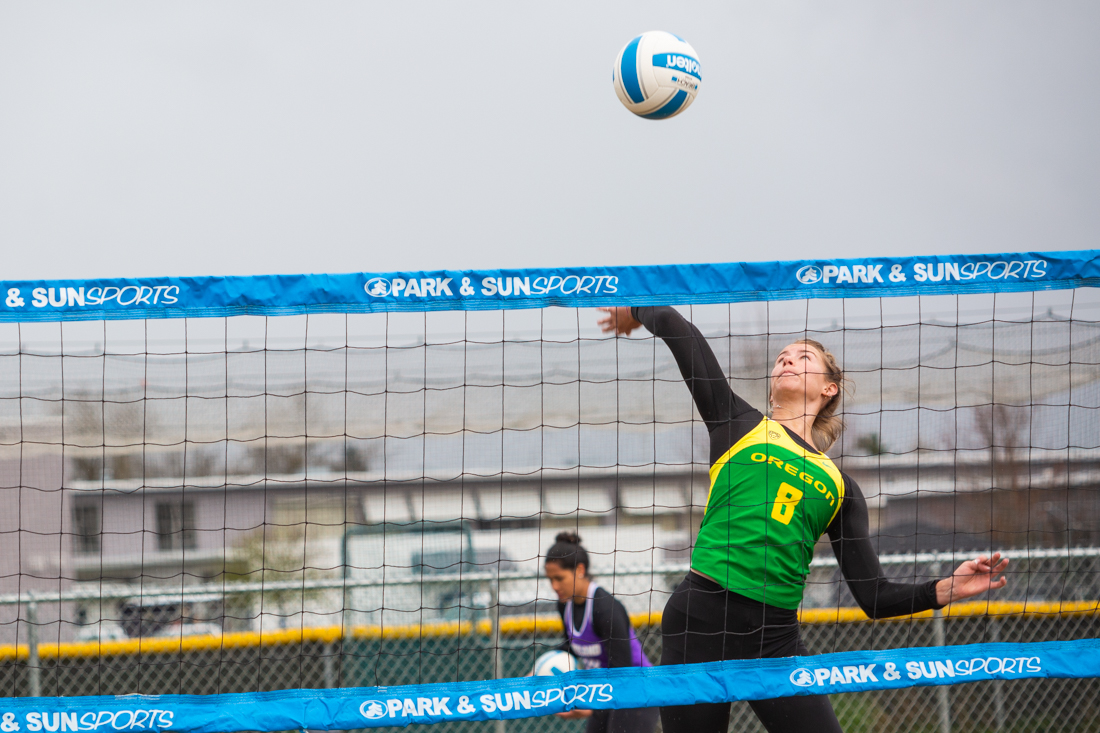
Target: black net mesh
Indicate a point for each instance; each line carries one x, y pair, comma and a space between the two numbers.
260, 503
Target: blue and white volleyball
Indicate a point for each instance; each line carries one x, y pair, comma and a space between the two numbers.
554, 663
657, 75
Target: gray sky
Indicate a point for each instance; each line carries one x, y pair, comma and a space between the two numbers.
254, 137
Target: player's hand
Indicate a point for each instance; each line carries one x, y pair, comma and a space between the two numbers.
575, 714
618, 320
971, 578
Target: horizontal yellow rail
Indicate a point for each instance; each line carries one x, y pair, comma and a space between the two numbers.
958, 610
508, 626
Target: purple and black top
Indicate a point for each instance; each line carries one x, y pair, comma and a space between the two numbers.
605, 636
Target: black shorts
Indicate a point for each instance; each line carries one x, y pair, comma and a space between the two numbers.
704, 622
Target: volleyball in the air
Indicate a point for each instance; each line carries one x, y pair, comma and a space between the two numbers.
657, 75
552, 663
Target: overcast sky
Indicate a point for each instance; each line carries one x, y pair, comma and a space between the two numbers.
187, 138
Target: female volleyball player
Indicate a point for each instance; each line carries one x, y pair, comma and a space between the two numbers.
597, 630
773, 493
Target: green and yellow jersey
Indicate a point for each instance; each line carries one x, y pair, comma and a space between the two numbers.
772, 496
770, 500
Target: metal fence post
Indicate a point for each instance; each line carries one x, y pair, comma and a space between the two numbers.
998, 685
494, 621
943, 692
330, 664
34, 666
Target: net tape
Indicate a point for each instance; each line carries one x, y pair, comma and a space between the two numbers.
356, 708
170, 297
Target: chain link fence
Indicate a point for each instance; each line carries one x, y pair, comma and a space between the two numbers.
1047, 599
405, 656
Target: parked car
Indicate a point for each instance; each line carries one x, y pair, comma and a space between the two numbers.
179, 628
102, 631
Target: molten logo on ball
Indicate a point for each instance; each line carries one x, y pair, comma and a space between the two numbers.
676, 61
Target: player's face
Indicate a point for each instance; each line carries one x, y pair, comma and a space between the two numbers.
564, 582
800, 373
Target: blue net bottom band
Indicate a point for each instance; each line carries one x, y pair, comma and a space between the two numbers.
523, 697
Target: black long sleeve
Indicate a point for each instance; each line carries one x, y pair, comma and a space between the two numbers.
877, 595
727, 416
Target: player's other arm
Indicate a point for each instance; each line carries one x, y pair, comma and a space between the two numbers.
880, 597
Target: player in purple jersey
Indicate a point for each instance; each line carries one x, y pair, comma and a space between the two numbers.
597, 631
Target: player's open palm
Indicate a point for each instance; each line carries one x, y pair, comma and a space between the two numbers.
617, 320
973, 577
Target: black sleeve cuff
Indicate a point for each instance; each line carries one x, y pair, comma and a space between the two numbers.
930, 595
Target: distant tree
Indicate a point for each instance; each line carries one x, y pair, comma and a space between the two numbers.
124, 466
86, 468
872, 444
1004, 430
355, 459
164, 465
274, 554
204, 462
279, 458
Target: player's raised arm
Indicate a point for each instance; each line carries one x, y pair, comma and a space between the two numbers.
698, 365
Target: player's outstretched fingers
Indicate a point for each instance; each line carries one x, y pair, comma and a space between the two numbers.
618, 320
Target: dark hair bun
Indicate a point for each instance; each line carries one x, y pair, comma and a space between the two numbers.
568, 552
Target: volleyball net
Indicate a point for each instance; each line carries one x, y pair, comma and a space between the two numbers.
324, 502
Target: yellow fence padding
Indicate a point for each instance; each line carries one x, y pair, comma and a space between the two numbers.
522, 625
